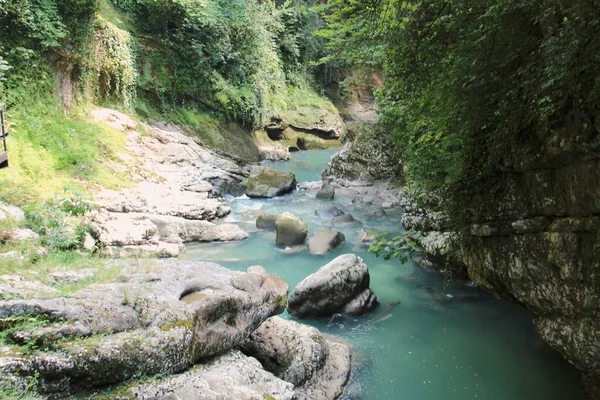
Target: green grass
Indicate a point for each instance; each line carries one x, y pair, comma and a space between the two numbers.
49, 150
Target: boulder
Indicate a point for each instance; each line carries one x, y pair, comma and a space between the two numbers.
332, 288
326, 192
266, 182
266, 221
323, 242
230, 376
159, 317
318, 365
291, 230
12, 212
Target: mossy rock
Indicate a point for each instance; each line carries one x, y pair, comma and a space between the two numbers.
291, 230
266, 182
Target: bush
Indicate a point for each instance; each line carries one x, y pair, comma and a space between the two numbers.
59, 221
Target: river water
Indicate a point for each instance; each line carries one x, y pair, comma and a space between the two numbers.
441, 342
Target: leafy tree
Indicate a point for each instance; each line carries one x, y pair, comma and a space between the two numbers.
469, 82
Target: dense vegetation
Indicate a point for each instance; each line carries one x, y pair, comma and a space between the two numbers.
219, 67
470, 81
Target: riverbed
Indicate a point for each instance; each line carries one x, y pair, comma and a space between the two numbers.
428, 339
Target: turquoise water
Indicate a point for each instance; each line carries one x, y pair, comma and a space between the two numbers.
431, 345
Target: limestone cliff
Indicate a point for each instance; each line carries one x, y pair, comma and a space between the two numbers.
539, 245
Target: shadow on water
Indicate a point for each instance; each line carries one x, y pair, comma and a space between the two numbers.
425, 340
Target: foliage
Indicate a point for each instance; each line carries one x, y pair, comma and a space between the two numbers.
401, 247
468, 81
57, 223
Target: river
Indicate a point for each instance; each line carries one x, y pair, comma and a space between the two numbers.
440, 342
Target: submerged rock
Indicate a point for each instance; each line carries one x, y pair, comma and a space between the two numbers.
109, 333
231, 376
323, 242
342, 286
329, 212
266, 182
318, 365
266, 221
291, 230
326, 192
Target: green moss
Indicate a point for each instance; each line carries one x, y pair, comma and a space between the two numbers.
267, 396
178, 323
268, 177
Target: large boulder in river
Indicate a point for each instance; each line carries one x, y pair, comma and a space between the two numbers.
318, 365
342, 286
266, 182
291, 230
323, 242
159, 317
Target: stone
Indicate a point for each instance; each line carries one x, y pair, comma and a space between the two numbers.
62, 277
12, 212
291, 230
366, 238
318, 365
365, 301
139, 325
331, 288
329, 212
326, 192
266, 221
88, 243
266, 182
368, 158
153, 234
230, 376
322, 242
21, 234
344, 219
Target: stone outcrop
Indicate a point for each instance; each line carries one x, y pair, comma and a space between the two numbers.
291, 230
173, 199
322, 242
231, 376
266, 182
160, 317
368, 158
318, 365
125, 234
342, 286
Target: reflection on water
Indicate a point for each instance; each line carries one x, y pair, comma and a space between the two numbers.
425, 341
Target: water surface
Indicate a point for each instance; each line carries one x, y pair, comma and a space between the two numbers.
441, 342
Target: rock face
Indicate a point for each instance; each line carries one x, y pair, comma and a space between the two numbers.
368, 158
326, 192
544, 253
231, 376
318, 365
323, 242
343, 282
291, 230
172, 202
160, 317
266, 182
